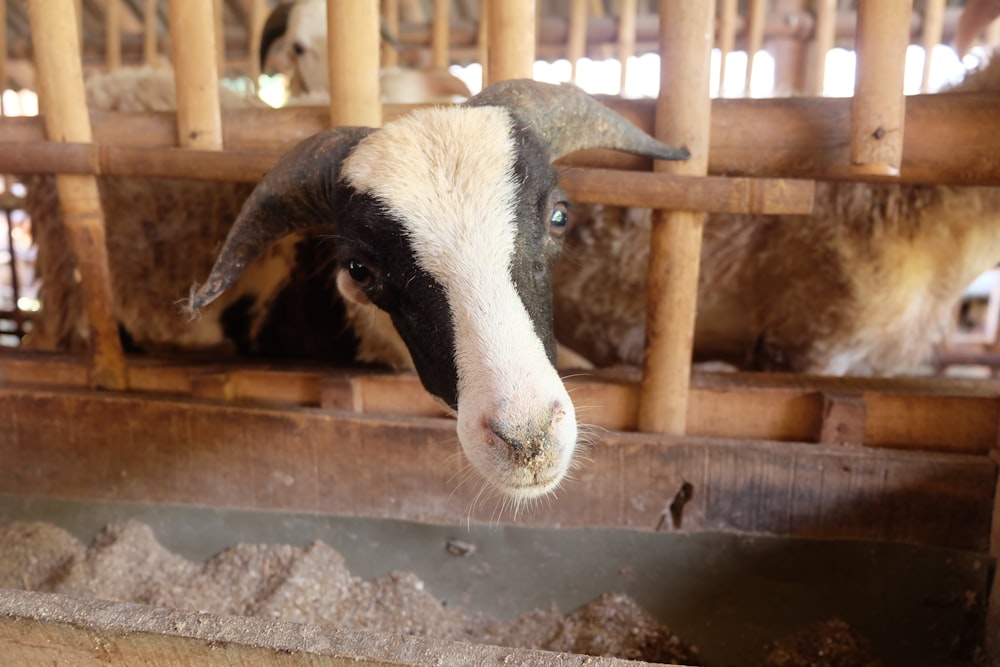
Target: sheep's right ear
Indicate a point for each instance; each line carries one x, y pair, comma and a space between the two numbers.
298, 193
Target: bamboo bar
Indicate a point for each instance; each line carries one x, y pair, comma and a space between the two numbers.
511, 45
441, 34
726, 40
113, 34
353, 51
932, 34
823, 41
60, 77
483, 41
196, 79
683, 116
618, 188
576, 43
218, 20
627, 15
3, 53
878, 106
390, 21
256, 18
150, 35
756, 19
952, 140
789, 51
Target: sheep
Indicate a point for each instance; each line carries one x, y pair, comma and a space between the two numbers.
294, 43
864, 285
448, 219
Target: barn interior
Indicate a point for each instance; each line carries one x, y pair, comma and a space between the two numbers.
784, 374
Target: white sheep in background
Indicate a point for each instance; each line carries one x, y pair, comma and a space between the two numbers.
294, 43
864, 285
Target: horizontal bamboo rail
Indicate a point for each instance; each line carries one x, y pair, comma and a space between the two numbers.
932, 414
618, 188
950, 138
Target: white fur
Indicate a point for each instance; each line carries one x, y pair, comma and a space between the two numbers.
447, 174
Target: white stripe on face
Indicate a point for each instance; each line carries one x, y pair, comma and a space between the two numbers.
447, 176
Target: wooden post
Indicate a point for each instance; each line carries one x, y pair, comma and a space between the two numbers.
627, 22
257, 16
150, 35
756, 17
933, 30
60, 75
789, 52
353, 50
3, 52
511, 45
576, 42
196, 76
113, 34
483, 40
825, 38
390, 19
683, 117
727, 37
441, 34
879, 105
219, 21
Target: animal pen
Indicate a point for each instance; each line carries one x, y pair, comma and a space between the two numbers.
742, 499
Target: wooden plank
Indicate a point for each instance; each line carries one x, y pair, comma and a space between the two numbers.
949, 139
933, 414
45, 628
714, 194
99, 446
844, 418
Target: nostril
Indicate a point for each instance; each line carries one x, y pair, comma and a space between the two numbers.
525, 442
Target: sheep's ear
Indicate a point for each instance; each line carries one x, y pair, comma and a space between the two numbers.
298, 193
567, 119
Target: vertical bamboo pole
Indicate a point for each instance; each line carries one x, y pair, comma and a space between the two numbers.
576, 41
483, 40
219, 21
756, 16
511, 46
789, 52
441, 34
3, 51
683, 113
113, 34
933, 31
878, 105
627, 22
196, 75
60, 75
353, 50
390, 19
257, 16
78, 6
150, 35
992, 35
727, 37
826, 34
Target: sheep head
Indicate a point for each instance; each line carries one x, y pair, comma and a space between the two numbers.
449, 219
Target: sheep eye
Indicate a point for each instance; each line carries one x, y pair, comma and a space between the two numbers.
360, 273
557, 223
298, 48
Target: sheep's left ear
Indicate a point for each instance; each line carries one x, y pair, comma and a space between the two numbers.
298, 193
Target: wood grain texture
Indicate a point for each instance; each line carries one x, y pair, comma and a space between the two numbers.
97, 446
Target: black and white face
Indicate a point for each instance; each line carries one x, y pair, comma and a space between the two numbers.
451, 222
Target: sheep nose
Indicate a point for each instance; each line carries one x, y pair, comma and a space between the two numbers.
529, 439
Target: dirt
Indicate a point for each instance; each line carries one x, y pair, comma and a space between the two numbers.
312, 585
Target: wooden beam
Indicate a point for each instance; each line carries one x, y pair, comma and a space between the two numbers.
823, 42
627, 14
62, 94
511, 42
441, 34
878, 106
353, 43
932, 34
619, 188
726, 38
756, 19
45, 628
113, 33
950, 141
145, 449
683, 117
196, 80
390, 22
576, 44
932, 414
